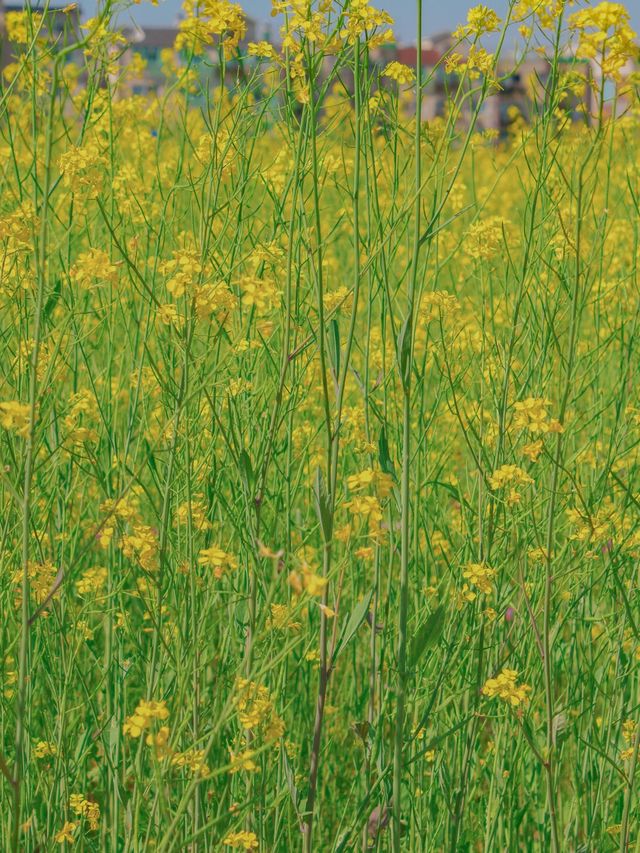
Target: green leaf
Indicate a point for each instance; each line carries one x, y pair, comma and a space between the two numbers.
358, 615
453, 491
291, 783
323, 506
246, 468
383, 453
52, 301
342, 842
150, 457
404, 349
426, 636
334, 346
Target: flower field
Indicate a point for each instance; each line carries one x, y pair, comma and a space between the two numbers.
319, 432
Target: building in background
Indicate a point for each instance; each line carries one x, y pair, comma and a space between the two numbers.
149, 52
148, 45
152, 46
61, 24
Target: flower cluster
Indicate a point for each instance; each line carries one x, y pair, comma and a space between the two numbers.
480, 20
193, 760
629, 736
364, 21
143, 716
92, 581
504, 686
256, 710
87, 809
92, 268
477, 63
21, 27
480, 575
210, 22
509, 475
605, 36
532, 415
243, 840
218, 560
400, 73
45, 749
15, 417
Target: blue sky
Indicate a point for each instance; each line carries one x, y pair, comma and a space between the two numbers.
438, 14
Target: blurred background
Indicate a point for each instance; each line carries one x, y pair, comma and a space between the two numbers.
437, 15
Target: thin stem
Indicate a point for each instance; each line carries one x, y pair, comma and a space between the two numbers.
405, 364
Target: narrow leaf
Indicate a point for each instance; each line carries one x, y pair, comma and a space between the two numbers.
426, 636
323, 506
383, 453
334, 346
52, 301
246, 468
291, 783
404, 349
358, 615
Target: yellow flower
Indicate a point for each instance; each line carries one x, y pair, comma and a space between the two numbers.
243, 761
364, 20
160, 741
367, 506
335, 299
218, 560
92, 581
258, 293
531, 414
484, 238
365, 552
193, 760
241, 840
92, 268
480, 20
143, 716
142, 545
476, 63
15, 417
262, 49
66, 833
21, 27
505, 687
44, 749
182, 272
381, 482
214, 299
280, 619
255, 708
464, 596
480, 576
533, 450
204, 21
168, 314
400, 73
89, 809
196, 512
507, 475
605, 37
314, 584
629, 730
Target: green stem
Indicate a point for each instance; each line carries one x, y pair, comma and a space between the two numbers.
405, 500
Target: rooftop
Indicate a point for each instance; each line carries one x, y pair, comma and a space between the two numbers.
152, 36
